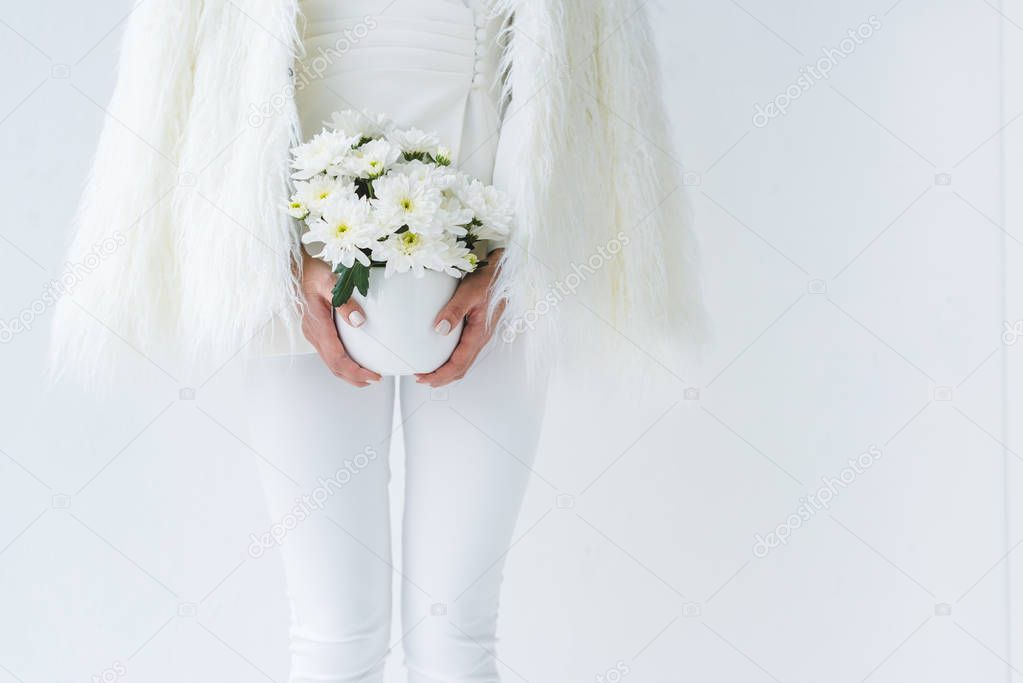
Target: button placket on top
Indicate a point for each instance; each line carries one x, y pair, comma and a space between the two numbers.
480, 53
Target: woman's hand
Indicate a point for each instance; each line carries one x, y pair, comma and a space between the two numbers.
470, 302
318, 323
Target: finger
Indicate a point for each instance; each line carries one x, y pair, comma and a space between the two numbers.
348, 370
319, 329
343, 367
462, 358
450, 316
351, 312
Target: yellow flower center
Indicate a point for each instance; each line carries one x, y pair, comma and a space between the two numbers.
406, 204
341, 229
324, 194
409, 240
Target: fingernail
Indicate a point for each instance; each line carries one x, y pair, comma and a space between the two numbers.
443, 327
356, 319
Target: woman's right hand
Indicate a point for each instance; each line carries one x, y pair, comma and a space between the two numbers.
318, 323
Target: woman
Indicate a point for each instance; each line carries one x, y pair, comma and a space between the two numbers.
556, 100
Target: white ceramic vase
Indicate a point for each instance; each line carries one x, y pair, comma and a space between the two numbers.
398, 337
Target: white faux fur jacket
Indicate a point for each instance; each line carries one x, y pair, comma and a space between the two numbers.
194, 190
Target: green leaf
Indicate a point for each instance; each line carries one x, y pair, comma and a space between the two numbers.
350, 279
361, 278
344, 286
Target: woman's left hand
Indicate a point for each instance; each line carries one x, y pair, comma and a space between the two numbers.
469, 303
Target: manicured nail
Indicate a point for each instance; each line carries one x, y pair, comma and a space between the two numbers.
443, 327
356, 319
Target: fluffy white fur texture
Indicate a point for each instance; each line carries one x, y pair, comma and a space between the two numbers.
592, 172
196, 183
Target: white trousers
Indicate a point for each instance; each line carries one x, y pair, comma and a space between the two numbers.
469, 450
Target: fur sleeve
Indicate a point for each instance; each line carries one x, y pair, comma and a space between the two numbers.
122, 302
190, 176
602, 256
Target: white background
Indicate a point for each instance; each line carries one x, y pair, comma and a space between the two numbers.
859, 302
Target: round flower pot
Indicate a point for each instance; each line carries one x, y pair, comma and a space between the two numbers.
398, 337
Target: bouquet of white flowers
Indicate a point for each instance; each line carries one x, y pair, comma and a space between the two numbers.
372, 194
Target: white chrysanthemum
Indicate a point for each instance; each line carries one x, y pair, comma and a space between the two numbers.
360, 124
422, 213
345, 229
456, 258
415, 141
312, 196
402, 199
440, 177
491, 207
410, 251
443, 156
454, 216
316, 156
445, 178
418, 171
371, 160
296, 209
468, 189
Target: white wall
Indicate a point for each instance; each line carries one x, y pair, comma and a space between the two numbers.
1013, 140
858, 303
